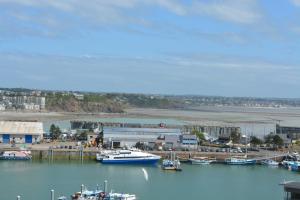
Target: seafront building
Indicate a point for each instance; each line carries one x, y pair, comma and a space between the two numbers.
20, 132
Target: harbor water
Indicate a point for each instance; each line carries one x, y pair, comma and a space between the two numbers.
34, 180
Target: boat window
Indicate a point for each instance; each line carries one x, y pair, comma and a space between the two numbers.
125, 152
116, 157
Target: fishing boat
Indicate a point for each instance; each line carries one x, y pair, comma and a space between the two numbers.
239, 160
16, 155
133, 156
295, 166
98, 194
269, 162
287, 163
202, 160
171, 164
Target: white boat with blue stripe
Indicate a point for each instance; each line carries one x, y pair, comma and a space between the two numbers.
132, 156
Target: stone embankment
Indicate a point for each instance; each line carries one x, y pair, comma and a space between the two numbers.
90, 154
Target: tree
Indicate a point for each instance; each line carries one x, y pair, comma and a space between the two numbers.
54, 132
274, 139
269, 139
199, 135
255, 141
277, 140
235, 136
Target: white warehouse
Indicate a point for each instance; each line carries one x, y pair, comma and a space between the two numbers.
21, 132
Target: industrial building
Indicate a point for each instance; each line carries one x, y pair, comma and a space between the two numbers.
291, 132
120, 137
21, 132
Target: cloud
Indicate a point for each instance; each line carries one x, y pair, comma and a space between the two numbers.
296, 29
296, 2
56, 17
170, 74
237, 11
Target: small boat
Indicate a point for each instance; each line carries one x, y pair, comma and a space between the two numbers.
239, 161
287, 163
202, 160
16, 155
133, 156
171, 164
295, 166
269, 162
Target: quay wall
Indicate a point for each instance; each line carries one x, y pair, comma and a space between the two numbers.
90, 154
57, 154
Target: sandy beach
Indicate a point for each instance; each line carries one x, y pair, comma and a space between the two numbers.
201, 115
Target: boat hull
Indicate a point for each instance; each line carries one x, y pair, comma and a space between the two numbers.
201, 162
14, 158
246, 162
130, 161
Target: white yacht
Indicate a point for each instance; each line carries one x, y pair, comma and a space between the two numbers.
133, 156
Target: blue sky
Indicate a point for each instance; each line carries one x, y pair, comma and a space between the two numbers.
205, 47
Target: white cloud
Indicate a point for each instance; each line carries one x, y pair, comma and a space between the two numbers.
296, 2
44, 17
238, 11
295, 29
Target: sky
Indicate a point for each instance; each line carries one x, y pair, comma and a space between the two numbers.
201, 47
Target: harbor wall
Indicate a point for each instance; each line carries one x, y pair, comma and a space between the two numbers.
57, 154
65, 154
90, 154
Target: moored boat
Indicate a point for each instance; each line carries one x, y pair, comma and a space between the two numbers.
202, 160
269, 162
132, 156
239, 161
172, 163
287, 163
295, 166
15, 155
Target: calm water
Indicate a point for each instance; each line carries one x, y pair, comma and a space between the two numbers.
33, 181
